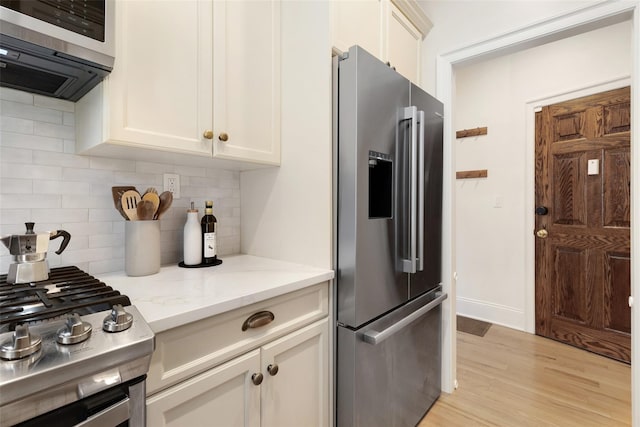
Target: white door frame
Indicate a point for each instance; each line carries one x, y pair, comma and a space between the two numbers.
580, 21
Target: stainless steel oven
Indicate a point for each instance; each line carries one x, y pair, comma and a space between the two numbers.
73, 352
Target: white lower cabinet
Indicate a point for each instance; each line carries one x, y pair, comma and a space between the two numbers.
298, 393
241, 369
223, 396
283, 383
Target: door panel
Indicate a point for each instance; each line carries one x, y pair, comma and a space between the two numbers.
569, 268
430, 276
370, 98
617, 197
583, 177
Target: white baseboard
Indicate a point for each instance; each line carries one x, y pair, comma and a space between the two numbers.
490, 312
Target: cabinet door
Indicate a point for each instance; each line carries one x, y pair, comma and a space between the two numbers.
224, 396
357, 22
246, 80
298, 394
159, 93
403, 44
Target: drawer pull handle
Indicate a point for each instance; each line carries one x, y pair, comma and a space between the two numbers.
256, 379
272, 369
258, 319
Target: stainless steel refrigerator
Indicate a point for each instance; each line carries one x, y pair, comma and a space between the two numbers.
388, 216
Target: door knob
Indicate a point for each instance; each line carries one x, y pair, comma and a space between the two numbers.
223, 137
542, 210
208, 134
542, 233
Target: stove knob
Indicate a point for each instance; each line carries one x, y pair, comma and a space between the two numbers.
22, 344
118, 320
74, 331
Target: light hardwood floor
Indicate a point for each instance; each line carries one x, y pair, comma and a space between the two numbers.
515, 379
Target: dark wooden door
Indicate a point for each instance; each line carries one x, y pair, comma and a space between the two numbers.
583, 257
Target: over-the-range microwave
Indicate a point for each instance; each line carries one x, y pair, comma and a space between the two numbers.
57, 48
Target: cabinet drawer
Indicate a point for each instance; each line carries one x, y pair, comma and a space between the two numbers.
187, 350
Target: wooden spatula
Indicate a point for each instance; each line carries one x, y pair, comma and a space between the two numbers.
130, 201
117, 193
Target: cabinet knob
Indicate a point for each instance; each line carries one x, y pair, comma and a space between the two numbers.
257, 378
223, 137
208, 134
272, 369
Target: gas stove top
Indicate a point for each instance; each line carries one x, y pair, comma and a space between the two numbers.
68, 289
64, 339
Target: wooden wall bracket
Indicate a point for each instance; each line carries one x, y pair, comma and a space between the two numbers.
466, 133
481, 173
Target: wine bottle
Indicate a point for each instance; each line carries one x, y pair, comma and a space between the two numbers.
192, 238
209, 247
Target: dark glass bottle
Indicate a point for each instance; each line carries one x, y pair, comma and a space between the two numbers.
209, 244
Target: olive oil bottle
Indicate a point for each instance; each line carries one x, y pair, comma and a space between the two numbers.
209, 245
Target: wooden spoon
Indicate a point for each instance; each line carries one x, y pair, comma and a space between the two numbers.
166, 198
145, 210
154, 199
130, 201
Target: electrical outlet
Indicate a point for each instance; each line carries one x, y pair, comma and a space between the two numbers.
172, 183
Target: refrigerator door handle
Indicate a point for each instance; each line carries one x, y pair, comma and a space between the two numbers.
409, 265
374, 337
420, 188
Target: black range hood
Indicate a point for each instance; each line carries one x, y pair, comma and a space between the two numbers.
37, 69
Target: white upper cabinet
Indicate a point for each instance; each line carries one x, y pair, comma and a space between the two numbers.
403, 44
246, 93
187, 76
391, 30
357, 22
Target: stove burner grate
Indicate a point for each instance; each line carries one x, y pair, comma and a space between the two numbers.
67, 290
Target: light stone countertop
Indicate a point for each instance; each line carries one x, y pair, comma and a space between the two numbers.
176, 296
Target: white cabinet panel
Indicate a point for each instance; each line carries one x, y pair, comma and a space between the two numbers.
224, 397
187, 72
298, 393
246, 94
357, 22
403, 44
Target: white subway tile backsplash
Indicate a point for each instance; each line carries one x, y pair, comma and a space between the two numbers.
105, 177
13, 124
44, 181
27, 171
15, 155
31, 112
16, 96
54, 130
60, 159
68, 119
60, 187
60, 215
19, 201
30, 142
54, 103
105, 163
16, 186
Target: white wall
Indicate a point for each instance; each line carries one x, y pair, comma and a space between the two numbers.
490, 241
42, 180
459, 24
286, 212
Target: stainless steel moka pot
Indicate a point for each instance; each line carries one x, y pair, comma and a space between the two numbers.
29, 252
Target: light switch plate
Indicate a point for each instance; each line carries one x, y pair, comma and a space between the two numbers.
593, 167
